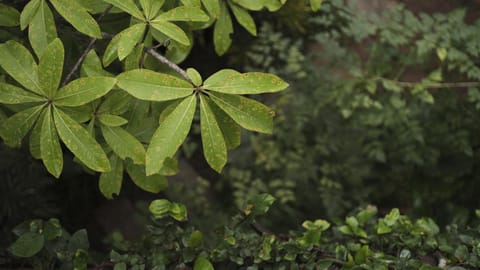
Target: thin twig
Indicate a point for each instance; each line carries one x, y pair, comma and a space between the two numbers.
86, 51
169, 63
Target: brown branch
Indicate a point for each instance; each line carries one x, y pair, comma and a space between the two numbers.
169, 63
86, 51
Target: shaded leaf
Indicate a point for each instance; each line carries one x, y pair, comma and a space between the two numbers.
248, 113
170, 135
111, 52
78, 16
214, 148
246, 83
50, 67
83, 90
28, 244
316, 4
10, 94
50, 148
149, 85
129, 38
18, 62
153, 183
172, 31
230, 129
124, 144
92, 66
184, 13
111, 182
28, 12
202, 263
222, 31
127, 6
17, 126
42, 30
80, 142
34, 142
112, 120
9, 16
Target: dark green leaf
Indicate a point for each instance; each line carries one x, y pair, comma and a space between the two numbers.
172, 31
9, 16
222, 31
202, 263
17, 126
50, 67
127, 6
50, 148
214, 148
10, 94
153, 183
28, 244
230, 129
124, 144
111, 182
83, 90
78, 16
28, 13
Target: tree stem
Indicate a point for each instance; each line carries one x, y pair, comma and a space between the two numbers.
169, 63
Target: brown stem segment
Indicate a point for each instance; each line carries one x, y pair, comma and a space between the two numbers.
169, 63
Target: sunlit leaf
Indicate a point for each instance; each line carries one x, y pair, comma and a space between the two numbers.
244, 19
246, 83
184, 13
213, 7
129, 38
202, 263
194, 76
214, 147
92, 66
112, 120
111, 52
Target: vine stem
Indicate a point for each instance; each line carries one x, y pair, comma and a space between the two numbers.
86, 51
169, 63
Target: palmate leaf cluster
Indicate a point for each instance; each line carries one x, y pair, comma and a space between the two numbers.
110, 121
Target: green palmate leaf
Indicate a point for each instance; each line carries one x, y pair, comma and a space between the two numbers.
42, 30
28, 13
129, 38
248, 113
78, 16
124, 144
170, 135
149, 85
111, 52
112, 120
172, 31
111, 182
9, 16
213, 7
246, 83
28, 244
202, 263
184, 13
50, 68
194, 76
50, 148
10, 94
17, 126
83, 90
80, 142
244, 19
92, 66
153, 183
230, 129
222, 31
127, 6
17, 61
221, 76
316, 4
214, 147
34, 142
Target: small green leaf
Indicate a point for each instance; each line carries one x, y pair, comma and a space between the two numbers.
160, 208
50, 67
124, 144
316, 4
129, 38
42, 30
194, 76
52, 229
172, 31
10, 94
18, 62
17, 126
202, 263
230, 129
78, 16
195, 239
111, 52
83, 90
170, 135
213, 7
28, 12
92, 66
382, 227
214, 147
149, 85
111, 182
184, 13
261, 204
392, 217
222, 31
111, 120
127, 6
248, 113
50, 148
219, 77
80, 142
246, 83
244, 19
442, 54
153, 183
178, 211
9, 16
28, 244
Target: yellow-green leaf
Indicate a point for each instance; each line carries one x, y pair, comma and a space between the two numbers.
10, 94
145, 84
316, 4
129, 38
213, 7
244, 19
248, 113
202, 263
170, 135
28, 12
221, 76
127, 6
214, 147
50, 148
111, 182
194, 76
153, 183
172, 31
92, 66
17, 126
184, 13
124, 144
18, 62
9, 16
83, 90
246, 83
78, 16
42, 28
50, 67
222, 31
111, 52
80, 142
112, 120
